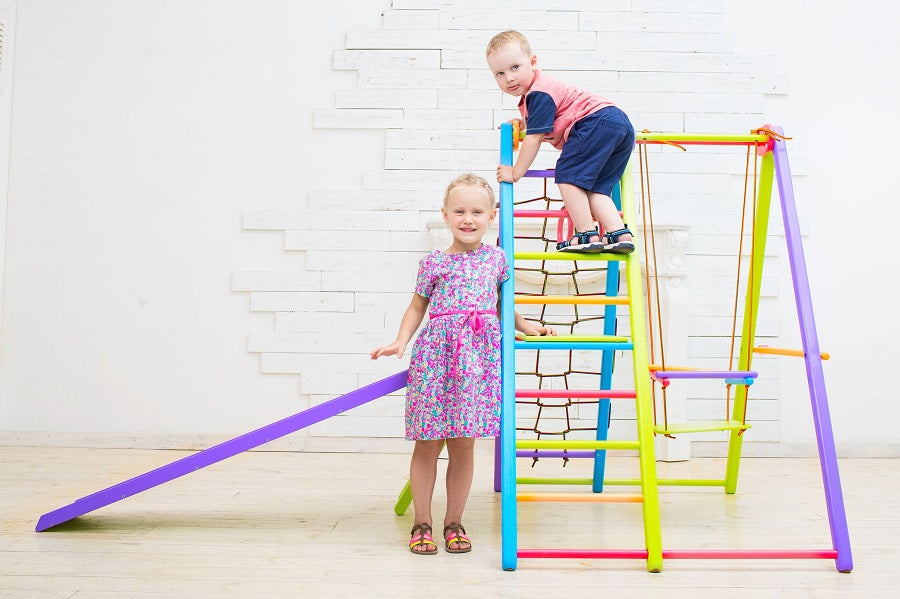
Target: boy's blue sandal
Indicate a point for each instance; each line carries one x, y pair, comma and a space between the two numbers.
612, 245
581, 242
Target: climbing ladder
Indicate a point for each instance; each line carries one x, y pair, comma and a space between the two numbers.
768, 142
605, 345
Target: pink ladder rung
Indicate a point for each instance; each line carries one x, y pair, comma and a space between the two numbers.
540, 214
563, 222
580, 497
577, 393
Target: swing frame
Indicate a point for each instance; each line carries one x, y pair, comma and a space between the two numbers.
770, 148
662, 373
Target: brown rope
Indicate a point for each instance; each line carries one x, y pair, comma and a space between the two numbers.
647, 233
737, 286
750, 291
650, 253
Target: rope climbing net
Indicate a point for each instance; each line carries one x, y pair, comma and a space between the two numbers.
551, 417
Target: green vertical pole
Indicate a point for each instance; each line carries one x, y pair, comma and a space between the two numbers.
751, 309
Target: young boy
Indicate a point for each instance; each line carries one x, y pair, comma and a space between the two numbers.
595, 136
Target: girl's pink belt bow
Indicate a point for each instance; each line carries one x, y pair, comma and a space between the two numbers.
475, 323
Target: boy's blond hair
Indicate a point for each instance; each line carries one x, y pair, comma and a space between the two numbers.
471, 179
508, 37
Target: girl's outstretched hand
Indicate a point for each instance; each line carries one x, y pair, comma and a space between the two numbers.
389, 350
531, 329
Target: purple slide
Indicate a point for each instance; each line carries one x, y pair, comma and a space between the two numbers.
223, 450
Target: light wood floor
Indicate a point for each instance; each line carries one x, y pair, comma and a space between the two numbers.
278, 524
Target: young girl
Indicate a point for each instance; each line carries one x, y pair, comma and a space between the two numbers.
453, 392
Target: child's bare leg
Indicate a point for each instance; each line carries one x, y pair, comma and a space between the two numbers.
577, 204
422, 475
606, 213
617, 239
460, 470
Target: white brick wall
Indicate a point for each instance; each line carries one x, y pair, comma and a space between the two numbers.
423, 80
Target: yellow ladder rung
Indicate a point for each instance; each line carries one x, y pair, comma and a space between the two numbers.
571, 299
655, 367
580, 497
563, 338
571, 256
700, 427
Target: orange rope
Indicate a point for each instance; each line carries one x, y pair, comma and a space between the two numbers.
764, 131
668, 143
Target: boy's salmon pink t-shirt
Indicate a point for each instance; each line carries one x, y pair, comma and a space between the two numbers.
553, 107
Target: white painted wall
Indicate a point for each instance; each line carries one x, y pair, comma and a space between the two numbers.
158, 151
140, 133
7, 46
840, 112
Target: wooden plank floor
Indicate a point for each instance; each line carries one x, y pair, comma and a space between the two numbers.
279, 524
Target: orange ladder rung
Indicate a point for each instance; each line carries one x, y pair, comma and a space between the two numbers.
778, 351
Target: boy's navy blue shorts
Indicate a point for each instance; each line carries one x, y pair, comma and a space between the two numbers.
597, 151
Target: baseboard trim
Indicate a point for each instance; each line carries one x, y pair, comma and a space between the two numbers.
305, 443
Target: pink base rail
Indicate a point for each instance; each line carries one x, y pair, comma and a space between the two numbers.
681, 553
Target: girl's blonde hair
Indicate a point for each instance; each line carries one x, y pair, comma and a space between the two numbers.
471, 179
508, 37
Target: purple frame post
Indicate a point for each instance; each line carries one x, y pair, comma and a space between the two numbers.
223, 450
834, 500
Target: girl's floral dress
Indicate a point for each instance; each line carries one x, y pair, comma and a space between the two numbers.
454, 372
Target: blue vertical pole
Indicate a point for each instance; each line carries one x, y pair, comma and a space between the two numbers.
508, 518
834, 500
606, 361
498, 449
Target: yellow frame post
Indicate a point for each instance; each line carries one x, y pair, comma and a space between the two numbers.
751, 309
643, 400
